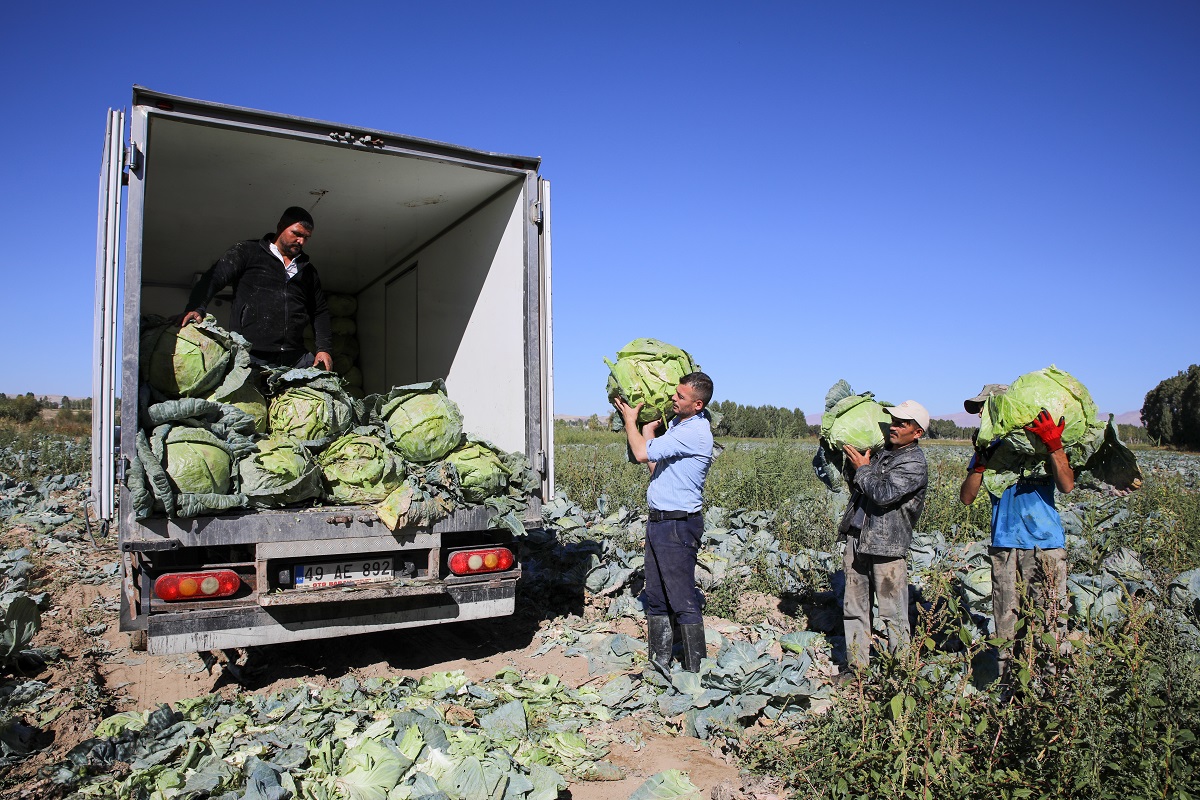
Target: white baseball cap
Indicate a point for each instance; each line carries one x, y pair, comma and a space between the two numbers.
910, 409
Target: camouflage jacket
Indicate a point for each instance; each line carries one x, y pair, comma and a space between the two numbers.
887, 497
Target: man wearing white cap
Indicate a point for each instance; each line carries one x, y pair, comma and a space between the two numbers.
1028, 547
887, 497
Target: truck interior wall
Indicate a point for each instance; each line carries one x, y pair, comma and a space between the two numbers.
466, 290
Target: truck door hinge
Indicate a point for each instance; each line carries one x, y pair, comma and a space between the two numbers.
535, 213
133, 158
541, 462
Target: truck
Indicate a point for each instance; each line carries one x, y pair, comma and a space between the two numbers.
446, 250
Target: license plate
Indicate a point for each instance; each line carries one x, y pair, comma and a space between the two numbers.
343, 573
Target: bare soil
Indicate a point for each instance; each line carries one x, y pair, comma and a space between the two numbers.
98, 674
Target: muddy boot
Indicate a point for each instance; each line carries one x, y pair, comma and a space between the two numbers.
661, 641
693, 646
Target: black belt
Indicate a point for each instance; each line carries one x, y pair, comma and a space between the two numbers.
659, 516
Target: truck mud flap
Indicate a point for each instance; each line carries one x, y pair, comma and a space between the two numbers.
255, 625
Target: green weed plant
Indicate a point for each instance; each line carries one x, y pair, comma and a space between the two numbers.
1116, 717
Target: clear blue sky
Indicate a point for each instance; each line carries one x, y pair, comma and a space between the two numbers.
918, 197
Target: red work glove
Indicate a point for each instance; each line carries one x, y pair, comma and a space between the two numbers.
1044, 428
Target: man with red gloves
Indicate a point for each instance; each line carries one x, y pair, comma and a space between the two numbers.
1028, 551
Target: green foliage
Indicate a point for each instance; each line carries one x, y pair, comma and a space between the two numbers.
943, 510
1171, 410
1133, 434
22, 408
761, 422
1115, 718
1163, 524
948, 429
774, 475
34, 451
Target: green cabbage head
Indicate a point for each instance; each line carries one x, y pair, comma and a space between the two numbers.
1005, 415
856, 421
281, 472
481, 473
183, 362
425, 426
360, 469
248, 399
197, 461
647, 371
309, 414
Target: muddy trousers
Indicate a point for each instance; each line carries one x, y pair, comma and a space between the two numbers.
1032, 583
888, 577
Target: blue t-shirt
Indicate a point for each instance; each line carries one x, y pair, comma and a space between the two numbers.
1024, 517
681, 459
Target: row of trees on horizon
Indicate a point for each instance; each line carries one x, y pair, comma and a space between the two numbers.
1171, 410
26, 407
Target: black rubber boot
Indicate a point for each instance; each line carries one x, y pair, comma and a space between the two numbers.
693, 646
661, 641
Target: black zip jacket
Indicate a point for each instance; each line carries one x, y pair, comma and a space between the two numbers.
891, 492
268, 309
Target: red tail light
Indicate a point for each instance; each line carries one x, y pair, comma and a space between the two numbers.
197, 585
473, 562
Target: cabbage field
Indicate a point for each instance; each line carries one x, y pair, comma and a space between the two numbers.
1116, 716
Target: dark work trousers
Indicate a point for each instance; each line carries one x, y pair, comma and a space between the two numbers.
671, 547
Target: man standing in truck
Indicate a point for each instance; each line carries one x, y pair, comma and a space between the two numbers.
679, 462
1028, 549
887, 496
276, 295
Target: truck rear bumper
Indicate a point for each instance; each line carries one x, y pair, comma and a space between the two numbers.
251, 625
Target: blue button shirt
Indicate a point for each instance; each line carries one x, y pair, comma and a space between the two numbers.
1024, 517
682, 456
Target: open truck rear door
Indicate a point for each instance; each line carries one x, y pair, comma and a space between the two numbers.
104, 345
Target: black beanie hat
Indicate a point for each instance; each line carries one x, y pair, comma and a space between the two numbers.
293, 215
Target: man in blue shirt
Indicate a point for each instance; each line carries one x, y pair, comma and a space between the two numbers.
679, 460
1028, 551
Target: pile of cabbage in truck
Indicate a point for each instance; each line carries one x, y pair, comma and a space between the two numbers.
217, 433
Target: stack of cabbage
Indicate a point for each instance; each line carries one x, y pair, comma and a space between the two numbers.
857, 420
211, 441
647, 371
1089, 444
